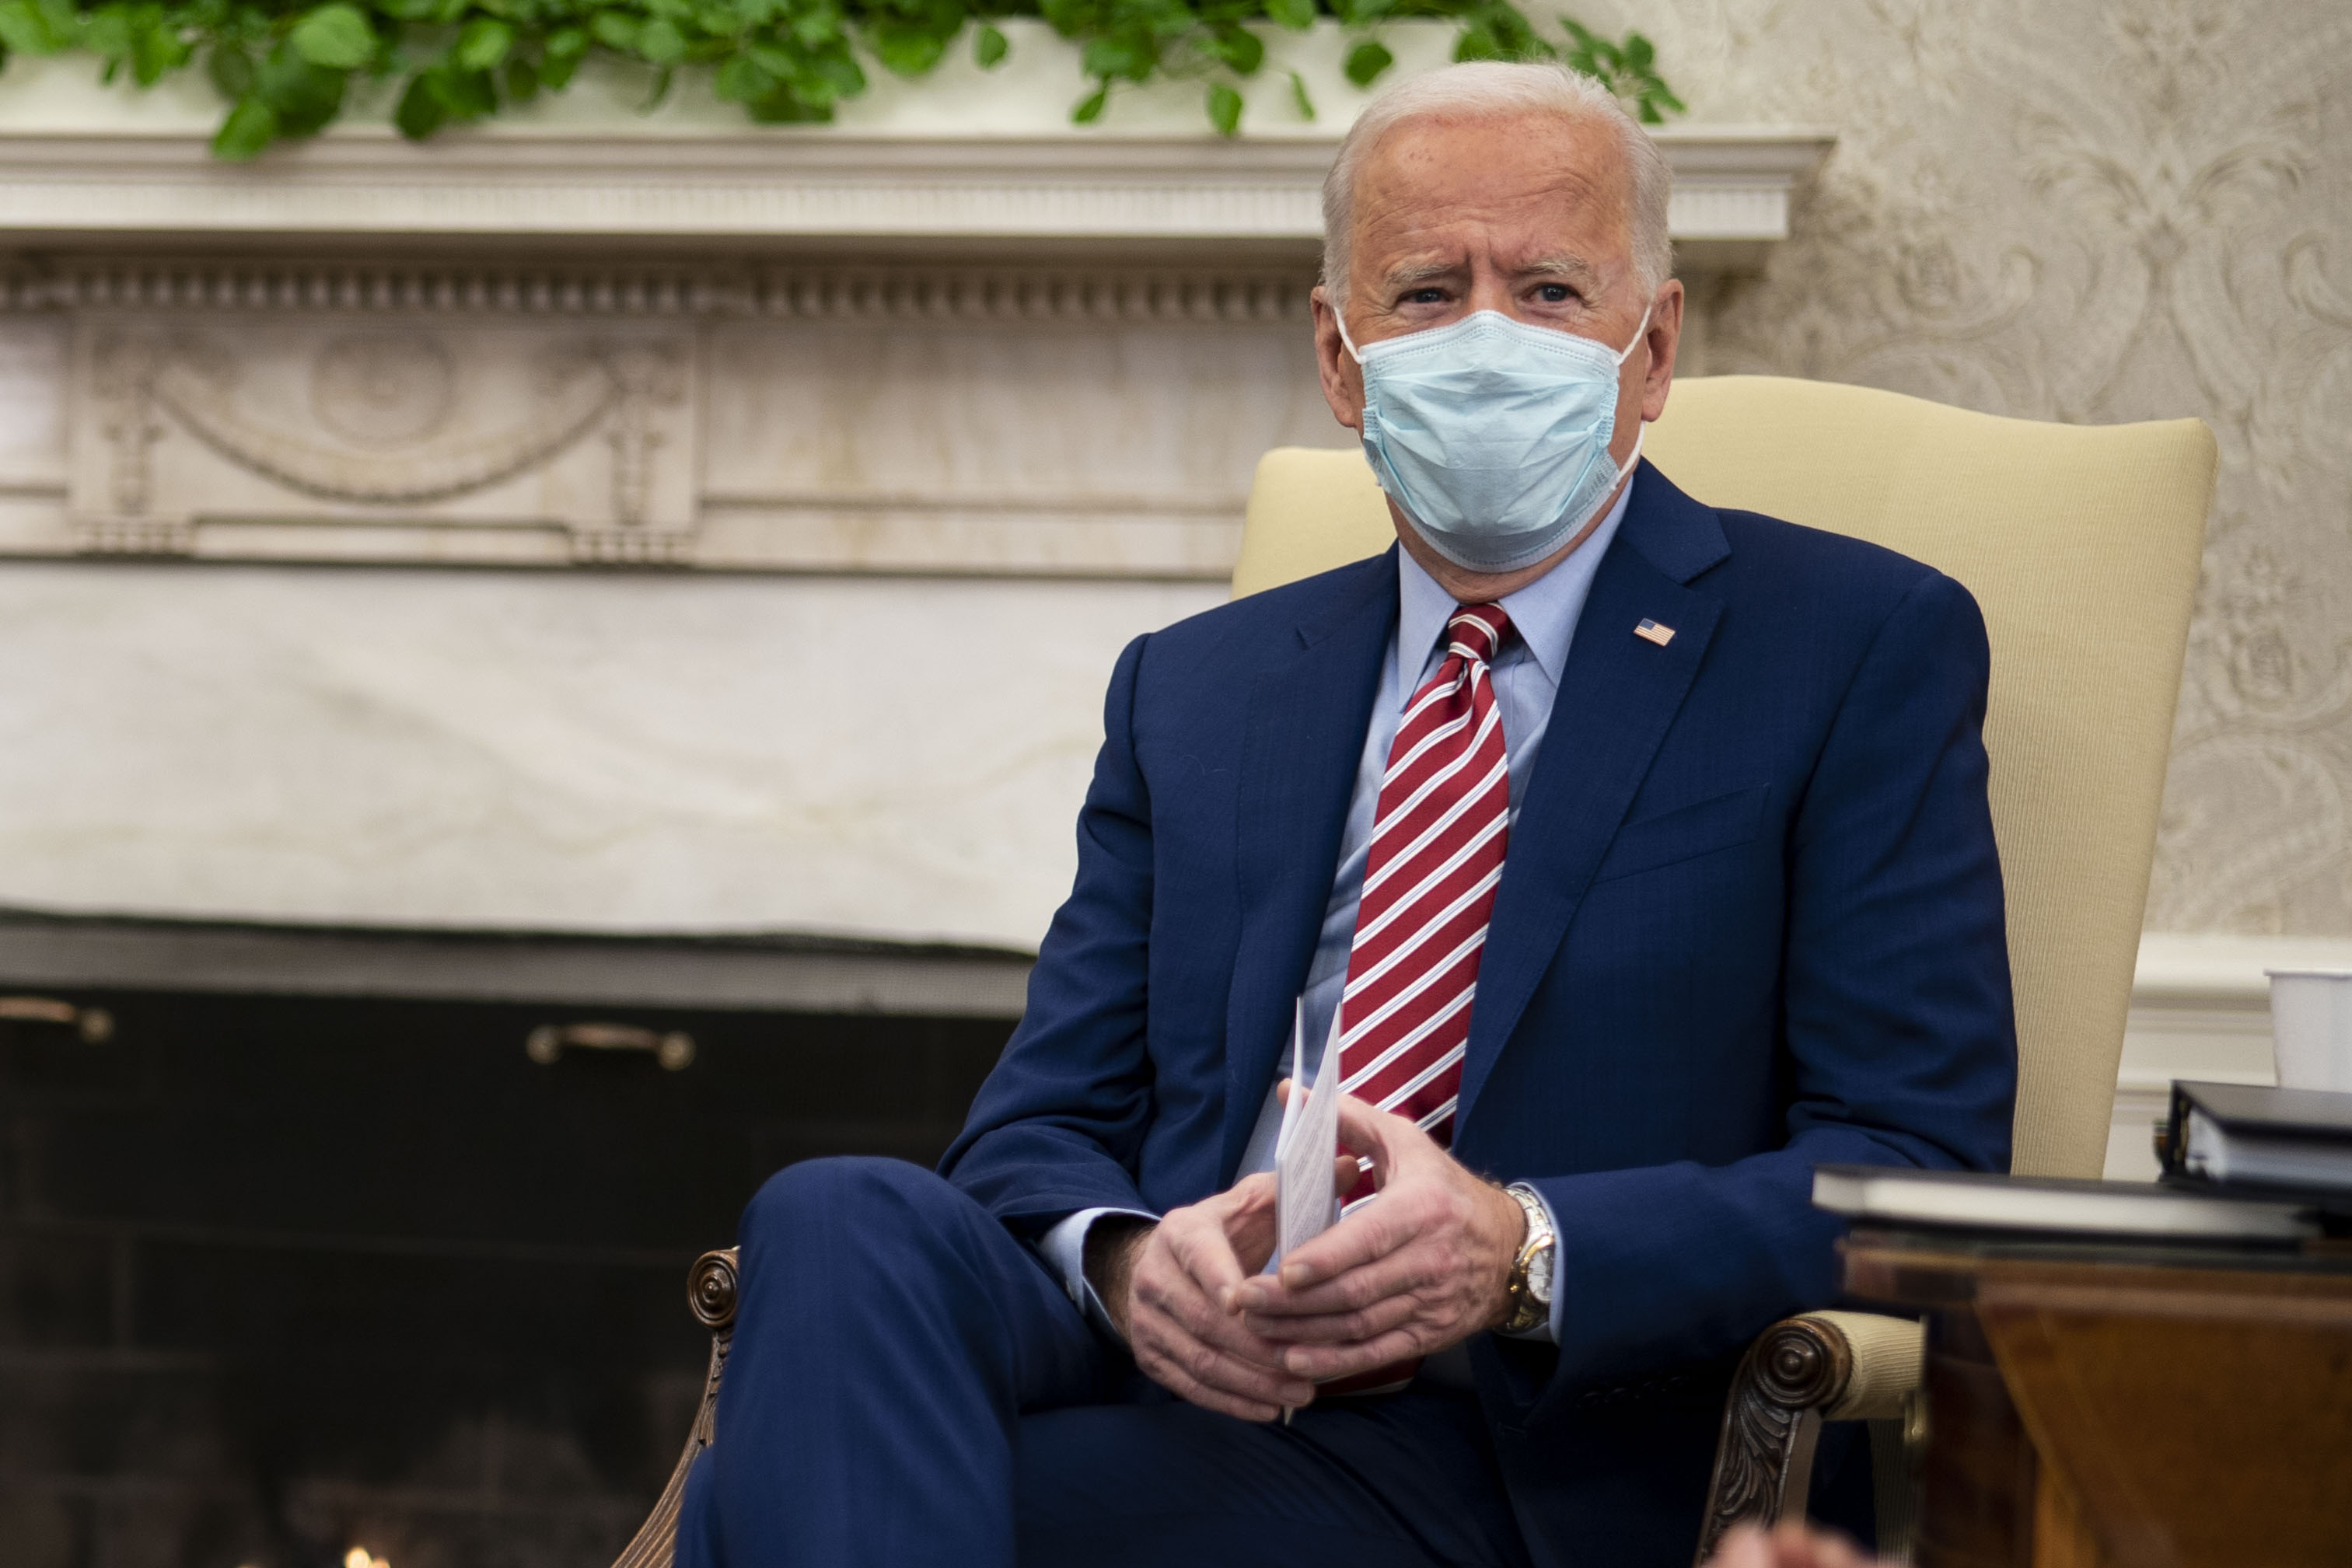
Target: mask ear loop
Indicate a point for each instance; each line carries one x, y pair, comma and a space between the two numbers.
1340, 318
1633, 458
1640, 332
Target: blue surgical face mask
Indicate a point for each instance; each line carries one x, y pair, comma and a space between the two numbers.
1492, 436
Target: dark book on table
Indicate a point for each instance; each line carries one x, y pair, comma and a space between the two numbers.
2275, 1140
1904, 1198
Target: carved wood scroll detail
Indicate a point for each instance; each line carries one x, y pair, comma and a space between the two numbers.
1764, 1459
710, 1294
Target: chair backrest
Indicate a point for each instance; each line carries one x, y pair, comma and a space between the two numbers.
2081, 544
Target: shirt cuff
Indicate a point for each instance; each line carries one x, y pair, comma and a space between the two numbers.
1547, 1332
1063, 1248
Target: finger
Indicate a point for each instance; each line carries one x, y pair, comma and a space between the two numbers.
1170, 1292
1408, 1269
1745, 1547
1205, 1254
1334, 1328
1326, 1362
1799, 1545
1192, 1391
1366, 1236
1164, 1340
1369, 1130
1347, 1176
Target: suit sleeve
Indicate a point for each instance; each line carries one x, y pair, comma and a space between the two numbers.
1898, 1041
1057, 1125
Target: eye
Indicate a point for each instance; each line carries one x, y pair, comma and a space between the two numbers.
1430, 295
1554, 293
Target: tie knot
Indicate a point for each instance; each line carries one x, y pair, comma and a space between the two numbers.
1477, 632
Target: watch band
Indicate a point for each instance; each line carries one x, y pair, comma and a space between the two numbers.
1529, 1285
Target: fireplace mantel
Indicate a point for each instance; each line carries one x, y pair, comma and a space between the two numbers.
963, 156
1731, 194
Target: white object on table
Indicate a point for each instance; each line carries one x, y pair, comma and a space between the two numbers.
2311, 1028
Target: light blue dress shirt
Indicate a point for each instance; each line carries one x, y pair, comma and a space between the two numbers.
1527, 677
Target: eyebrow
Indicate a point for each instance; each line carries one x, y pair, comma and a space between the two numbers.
1574, 268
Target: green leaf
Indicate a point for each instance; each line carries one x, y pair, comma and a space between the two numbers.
907, 51
156, 49
615, 31
483, 44
1478, 42
989, 46
559, 56
1224, 109
1109, 57
422, 108
660, 42
521, 79
107, 31
305, 95
1295, 15
1367, 60
231, 70
251, 126
662, 79
30, 29
1299, 95
1239, 48
335, 36
1090, 108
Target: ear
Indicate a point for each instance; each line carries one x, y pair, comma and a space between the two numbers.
1342, 378
1666, 336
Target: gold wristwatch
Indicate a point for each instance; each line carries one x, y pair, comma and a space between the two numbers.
1530, 1282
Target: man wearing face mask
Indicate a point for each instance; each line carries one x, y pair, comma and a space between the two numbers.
1634, 856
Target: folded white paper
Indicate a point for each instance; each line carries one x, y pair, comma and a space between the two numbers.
1308, 1144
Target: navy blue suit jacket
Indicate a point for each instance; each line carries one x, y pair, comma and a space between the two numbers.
1750, 922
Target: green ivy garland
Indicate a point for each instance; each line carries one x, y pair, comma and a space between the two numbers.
284, 66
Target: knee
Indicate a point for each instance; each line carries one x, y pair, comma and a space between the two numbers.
846, 1198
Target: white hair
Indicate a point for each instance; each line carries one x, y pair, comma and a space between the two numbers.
1495, 89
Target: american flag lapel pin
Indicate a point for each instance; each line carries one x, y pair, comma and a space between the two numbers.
1651, 631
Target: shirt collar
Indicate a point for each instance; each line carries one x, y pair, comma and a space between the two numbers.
1545, 611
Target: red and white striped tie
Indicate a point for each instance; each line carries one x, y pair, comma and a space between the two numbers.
1438, 835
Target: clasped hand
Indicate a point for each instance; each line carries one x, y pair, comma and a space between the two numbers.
1425, 1268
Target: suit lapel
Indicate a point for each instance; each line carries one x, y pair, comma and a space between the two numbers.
1618, 694
1302, 739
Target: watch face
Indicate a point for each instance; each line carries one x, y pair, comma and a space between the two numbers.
1540, 1275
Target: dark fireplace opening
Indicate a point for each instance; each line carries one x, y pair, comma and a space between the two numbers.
283, 1278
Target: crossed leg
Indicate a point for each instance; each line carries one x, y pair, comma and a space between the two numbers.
909, 1388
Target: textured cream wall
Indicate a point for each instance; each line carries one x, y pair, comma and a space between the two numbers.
2097, 211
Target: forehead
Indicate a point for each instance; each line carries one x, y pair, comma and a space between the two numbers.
1539, 183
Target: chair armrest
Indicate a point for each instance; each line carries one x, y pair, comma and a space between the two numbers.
710, 1297
1836, 1366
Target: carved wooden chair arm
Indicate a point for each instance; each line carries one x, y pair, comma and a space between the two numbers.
1801, 1372
710, 1296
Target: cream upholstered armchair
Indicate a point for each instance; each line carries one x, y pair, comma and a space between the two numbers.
2081, 545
